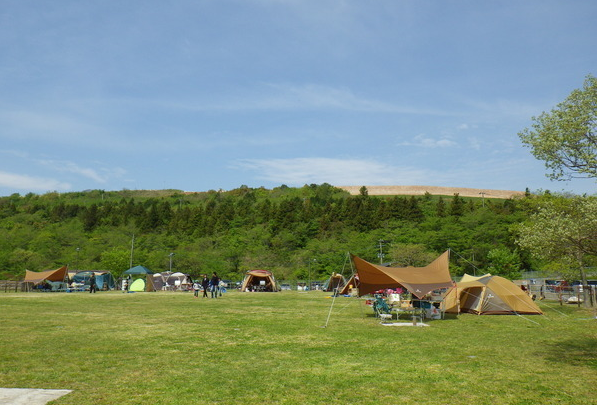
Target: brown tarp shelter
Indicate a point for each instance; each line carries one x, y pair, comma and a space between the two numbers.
259, 280
420, 281
489, 295
36, 277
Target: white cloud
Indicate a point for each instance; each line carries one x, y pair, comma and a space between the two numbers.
425, 142
293, 97
474, 143
70, 167
24, 182
100, 175
45, 125
299, 171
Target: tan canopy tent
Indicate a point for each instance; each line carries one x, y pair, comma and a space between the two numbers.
353, 282
36, 277
489, 295
420, 281
259, 280
336, 281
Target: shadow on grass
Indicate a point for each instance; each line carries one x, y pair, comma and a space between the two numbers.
577, 352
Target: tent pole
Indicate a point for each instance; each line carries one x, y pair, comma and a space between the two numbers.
469, 262
335, 295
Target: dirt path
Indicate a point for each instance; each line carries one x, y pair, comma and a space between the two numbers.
434, 190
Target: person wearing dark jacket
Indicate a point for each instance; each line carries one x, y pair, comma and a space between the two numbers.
205, 285
215, 285
92, 284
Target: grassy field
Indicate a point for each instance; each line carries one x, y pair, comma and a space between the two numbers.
255, 348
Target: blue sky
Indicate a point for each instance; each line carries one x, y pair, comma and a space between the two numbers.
215, 94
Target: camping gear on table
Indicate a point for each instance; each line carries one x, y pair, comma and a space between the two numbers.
419, 281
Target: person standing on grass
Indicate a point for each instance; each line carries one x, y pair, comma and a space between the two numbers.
205, 285
215, 282
92, 284
196, 287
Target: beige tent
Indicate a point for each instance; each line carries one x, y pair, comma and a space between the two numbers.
259, 280
489, 295
420, 281
353, 282
336, 281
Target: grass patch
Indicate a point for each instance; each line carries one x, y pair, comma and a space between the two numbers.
169, 348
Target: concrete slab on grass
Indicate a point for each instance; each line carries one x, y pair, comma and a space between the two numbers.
27, 396
405, 324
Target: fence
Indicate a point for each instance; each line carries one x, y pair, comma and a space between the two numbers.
565, 294
13, 286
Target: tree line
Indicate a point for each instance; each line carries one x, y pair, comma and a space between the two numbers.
291, 231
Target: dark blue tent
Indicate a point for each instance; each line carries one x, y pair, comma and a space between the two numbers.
138, 270
103, 279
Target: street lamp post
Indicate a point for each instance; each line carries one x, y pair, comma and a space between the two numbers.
77, 263
310, 261
170, 255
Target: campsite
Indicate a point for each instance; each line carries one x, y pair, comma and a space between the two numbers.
166, 348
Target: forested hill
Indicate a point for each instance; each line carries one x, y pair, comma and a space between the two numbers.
291, 231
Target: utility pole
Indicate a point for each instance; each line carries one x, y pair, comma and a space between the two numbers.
132, 250
380, 254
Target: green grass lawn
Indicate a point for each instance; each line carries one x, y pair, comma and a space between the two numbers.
255, 348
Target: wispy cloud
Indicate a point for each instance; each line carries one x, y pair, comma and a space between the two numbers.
296, 97
474, 143
25, 182
99, 175
423, 141
299, 171
33, 123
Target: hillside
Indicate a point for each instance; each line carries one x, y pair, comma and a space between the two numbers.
295, 231
434, 190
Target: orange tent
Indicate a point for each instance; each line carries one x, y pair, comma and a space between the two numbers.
36, 277
420, 281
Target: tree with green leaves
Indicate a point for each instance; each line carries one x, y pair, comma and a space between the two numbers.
417, 255
504, 262
563, 231
566, 138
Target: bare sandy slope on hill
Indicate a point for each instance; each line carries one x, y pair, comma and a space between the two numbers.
433, 190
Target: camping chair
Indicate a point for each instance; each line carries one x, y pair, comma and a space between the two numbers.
381, 308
